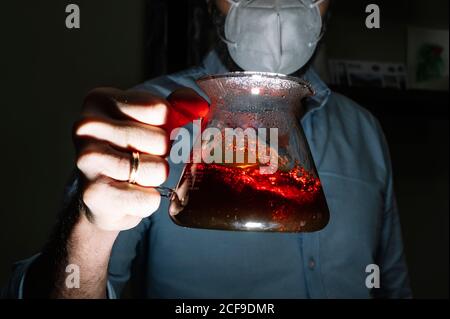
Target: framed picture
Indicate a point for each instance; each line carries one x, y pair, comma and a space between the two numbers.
428, 59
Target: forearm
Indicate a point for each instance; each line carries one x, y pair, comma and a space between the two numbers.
89, 250
75, 242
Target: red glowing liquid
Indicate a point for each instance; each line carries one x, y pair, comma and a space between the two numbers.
241, 198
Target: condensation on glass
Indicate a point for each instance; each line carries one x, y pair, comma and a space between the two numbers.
238, 195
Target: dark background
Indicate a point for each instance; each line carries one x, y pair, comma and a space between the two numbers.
47, 69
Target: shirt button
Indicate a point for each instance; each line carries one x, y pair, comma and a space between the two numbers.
311, 263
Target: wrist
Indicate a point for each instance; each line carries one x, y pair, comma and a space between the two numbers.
86, 239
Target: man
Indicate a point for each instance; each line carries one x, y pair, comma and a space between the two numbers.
119, 232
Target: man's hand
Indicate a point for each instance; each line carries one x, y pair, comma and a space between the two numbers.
114, 124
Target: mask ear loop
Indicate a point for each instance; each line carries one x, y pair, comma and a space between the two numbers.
315, 5
222, 37
233, 2
232, 43
312, 3
313, 43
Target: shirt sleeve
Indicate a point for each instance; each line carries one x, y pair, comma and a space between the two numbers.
394, 277
123, 254
15, 286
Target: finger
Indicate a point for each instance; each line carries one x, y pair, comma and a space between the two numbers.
119, 224
144, 107
107, 198
189, 102
186, 106
137, 105
100, 159
125, 134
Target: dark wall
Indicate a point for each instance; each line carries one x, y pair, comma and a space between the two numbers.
46, 71
419, 149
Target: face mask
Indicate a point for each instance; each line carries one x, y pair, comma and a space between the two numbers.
277, 36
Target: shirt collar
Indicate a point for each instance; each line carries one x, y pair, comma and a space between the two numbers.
213, 65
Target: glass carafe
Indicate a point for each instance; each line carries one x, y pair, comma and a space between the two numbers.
253, 170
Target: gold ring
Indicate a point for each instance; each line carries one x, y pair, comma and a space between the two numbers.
134, 167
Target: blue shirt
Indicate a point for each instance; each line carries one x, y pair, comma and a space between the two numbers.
167, 261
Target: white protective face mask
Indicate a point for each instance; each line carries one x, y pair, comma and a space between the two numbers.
277, 36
